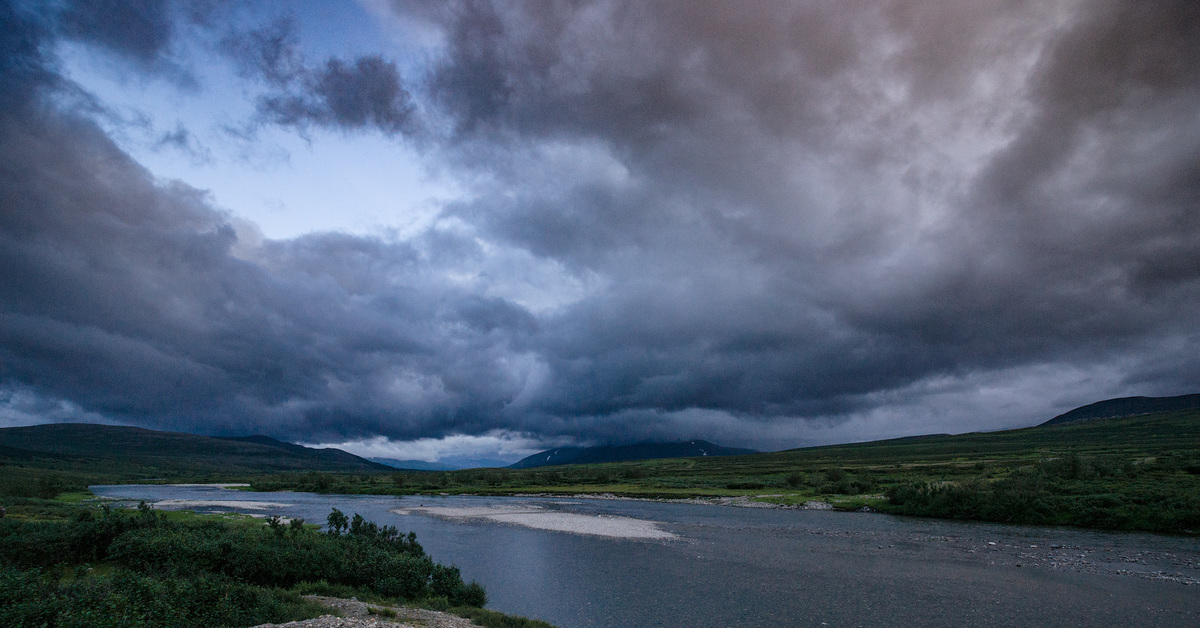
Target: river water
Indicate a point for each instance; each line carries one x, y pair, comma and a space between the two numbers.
614, 563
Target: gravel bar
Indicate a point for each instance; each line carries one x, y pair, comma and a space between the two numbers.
356, 614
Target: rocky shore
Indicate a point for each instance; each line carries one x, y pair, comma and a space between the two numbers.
1107, 553
352, 613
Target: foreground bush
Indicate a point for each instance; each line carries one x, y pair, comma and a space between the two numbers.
203, 572
127, 598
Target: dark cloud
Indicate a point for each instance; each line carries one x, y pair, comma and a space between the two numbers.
23, 72
137, 29
364, 93
681, 219
184, 141
790, 173
1124, 69
141, 35
270, 53
129, 301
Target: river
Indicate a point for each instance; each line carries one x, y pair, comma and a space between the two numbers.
582, 563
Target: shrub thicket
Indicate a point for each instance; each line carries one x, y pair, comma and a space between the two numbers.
1063, 491
158, 572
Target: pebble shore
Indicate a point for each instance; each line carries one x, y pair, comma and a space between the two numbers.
356, 614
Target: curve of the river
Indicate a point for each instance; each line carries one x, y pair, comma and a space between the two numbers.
588, 563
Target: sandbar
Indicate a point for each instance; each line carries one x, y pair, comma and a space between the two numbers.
217, 485
542, 519
215, 503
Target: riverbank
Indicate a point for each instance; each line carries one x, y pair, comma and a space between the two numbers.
351, 613
739, 501
1039, 547
1118, 554
1112, 560
1060, 476
67, 564
752, 566
1137, 473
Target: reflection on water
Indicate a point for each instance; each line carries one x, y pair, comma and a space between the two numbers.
723, 566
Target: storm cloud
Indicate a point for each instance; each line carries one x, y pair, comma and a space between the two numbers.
764, 225
348, 95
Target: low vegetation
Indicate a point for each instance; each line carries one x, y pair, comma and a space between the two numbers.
67, 565
492, 619
64, 563
1134, 473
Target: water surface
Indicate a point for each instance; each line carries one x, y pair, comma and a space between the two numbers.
723, 566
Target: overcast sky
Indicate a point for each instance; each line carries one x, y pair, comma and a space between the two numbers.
430, 229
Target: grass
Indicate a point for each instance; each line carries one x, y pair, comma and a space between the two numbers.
1134, 473
493, 619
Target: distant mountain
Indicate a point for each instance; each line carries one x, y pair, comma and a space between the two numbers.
446, 464
618, 453
126, 448
1127, 406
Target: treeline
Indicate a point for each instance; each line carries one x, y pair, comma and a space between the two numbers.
834, 480
109, 568
1153, 494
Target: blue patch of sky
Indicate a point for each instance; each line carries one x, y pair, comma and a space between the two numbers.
288, 185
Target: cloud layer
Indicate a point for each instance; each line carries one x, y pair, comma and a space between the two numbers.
756, 225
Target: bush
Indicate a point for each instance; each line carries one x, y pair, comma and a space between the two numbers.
25, 600
206, 572
634, 473
131, 599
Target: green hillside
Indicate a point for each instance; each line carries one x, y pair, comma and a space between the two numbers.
1128, 406
40, 459
1138, 472
1133, 473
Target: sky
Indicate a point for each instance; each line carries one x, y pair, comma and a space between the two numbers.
480, 229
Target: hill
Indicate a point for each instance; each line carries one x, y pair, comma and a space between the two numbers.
133, 451
1127, 406
445, 464
621, 453
1138, 472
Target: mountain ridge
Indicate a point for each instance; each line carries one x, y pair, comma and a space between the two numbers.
135, 446
445, 464
622, 453
1127, 406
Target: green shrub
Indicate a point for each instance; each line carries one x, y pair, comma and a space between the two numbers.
634, 473
25, 599
492, 619
127, 598
205, 572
